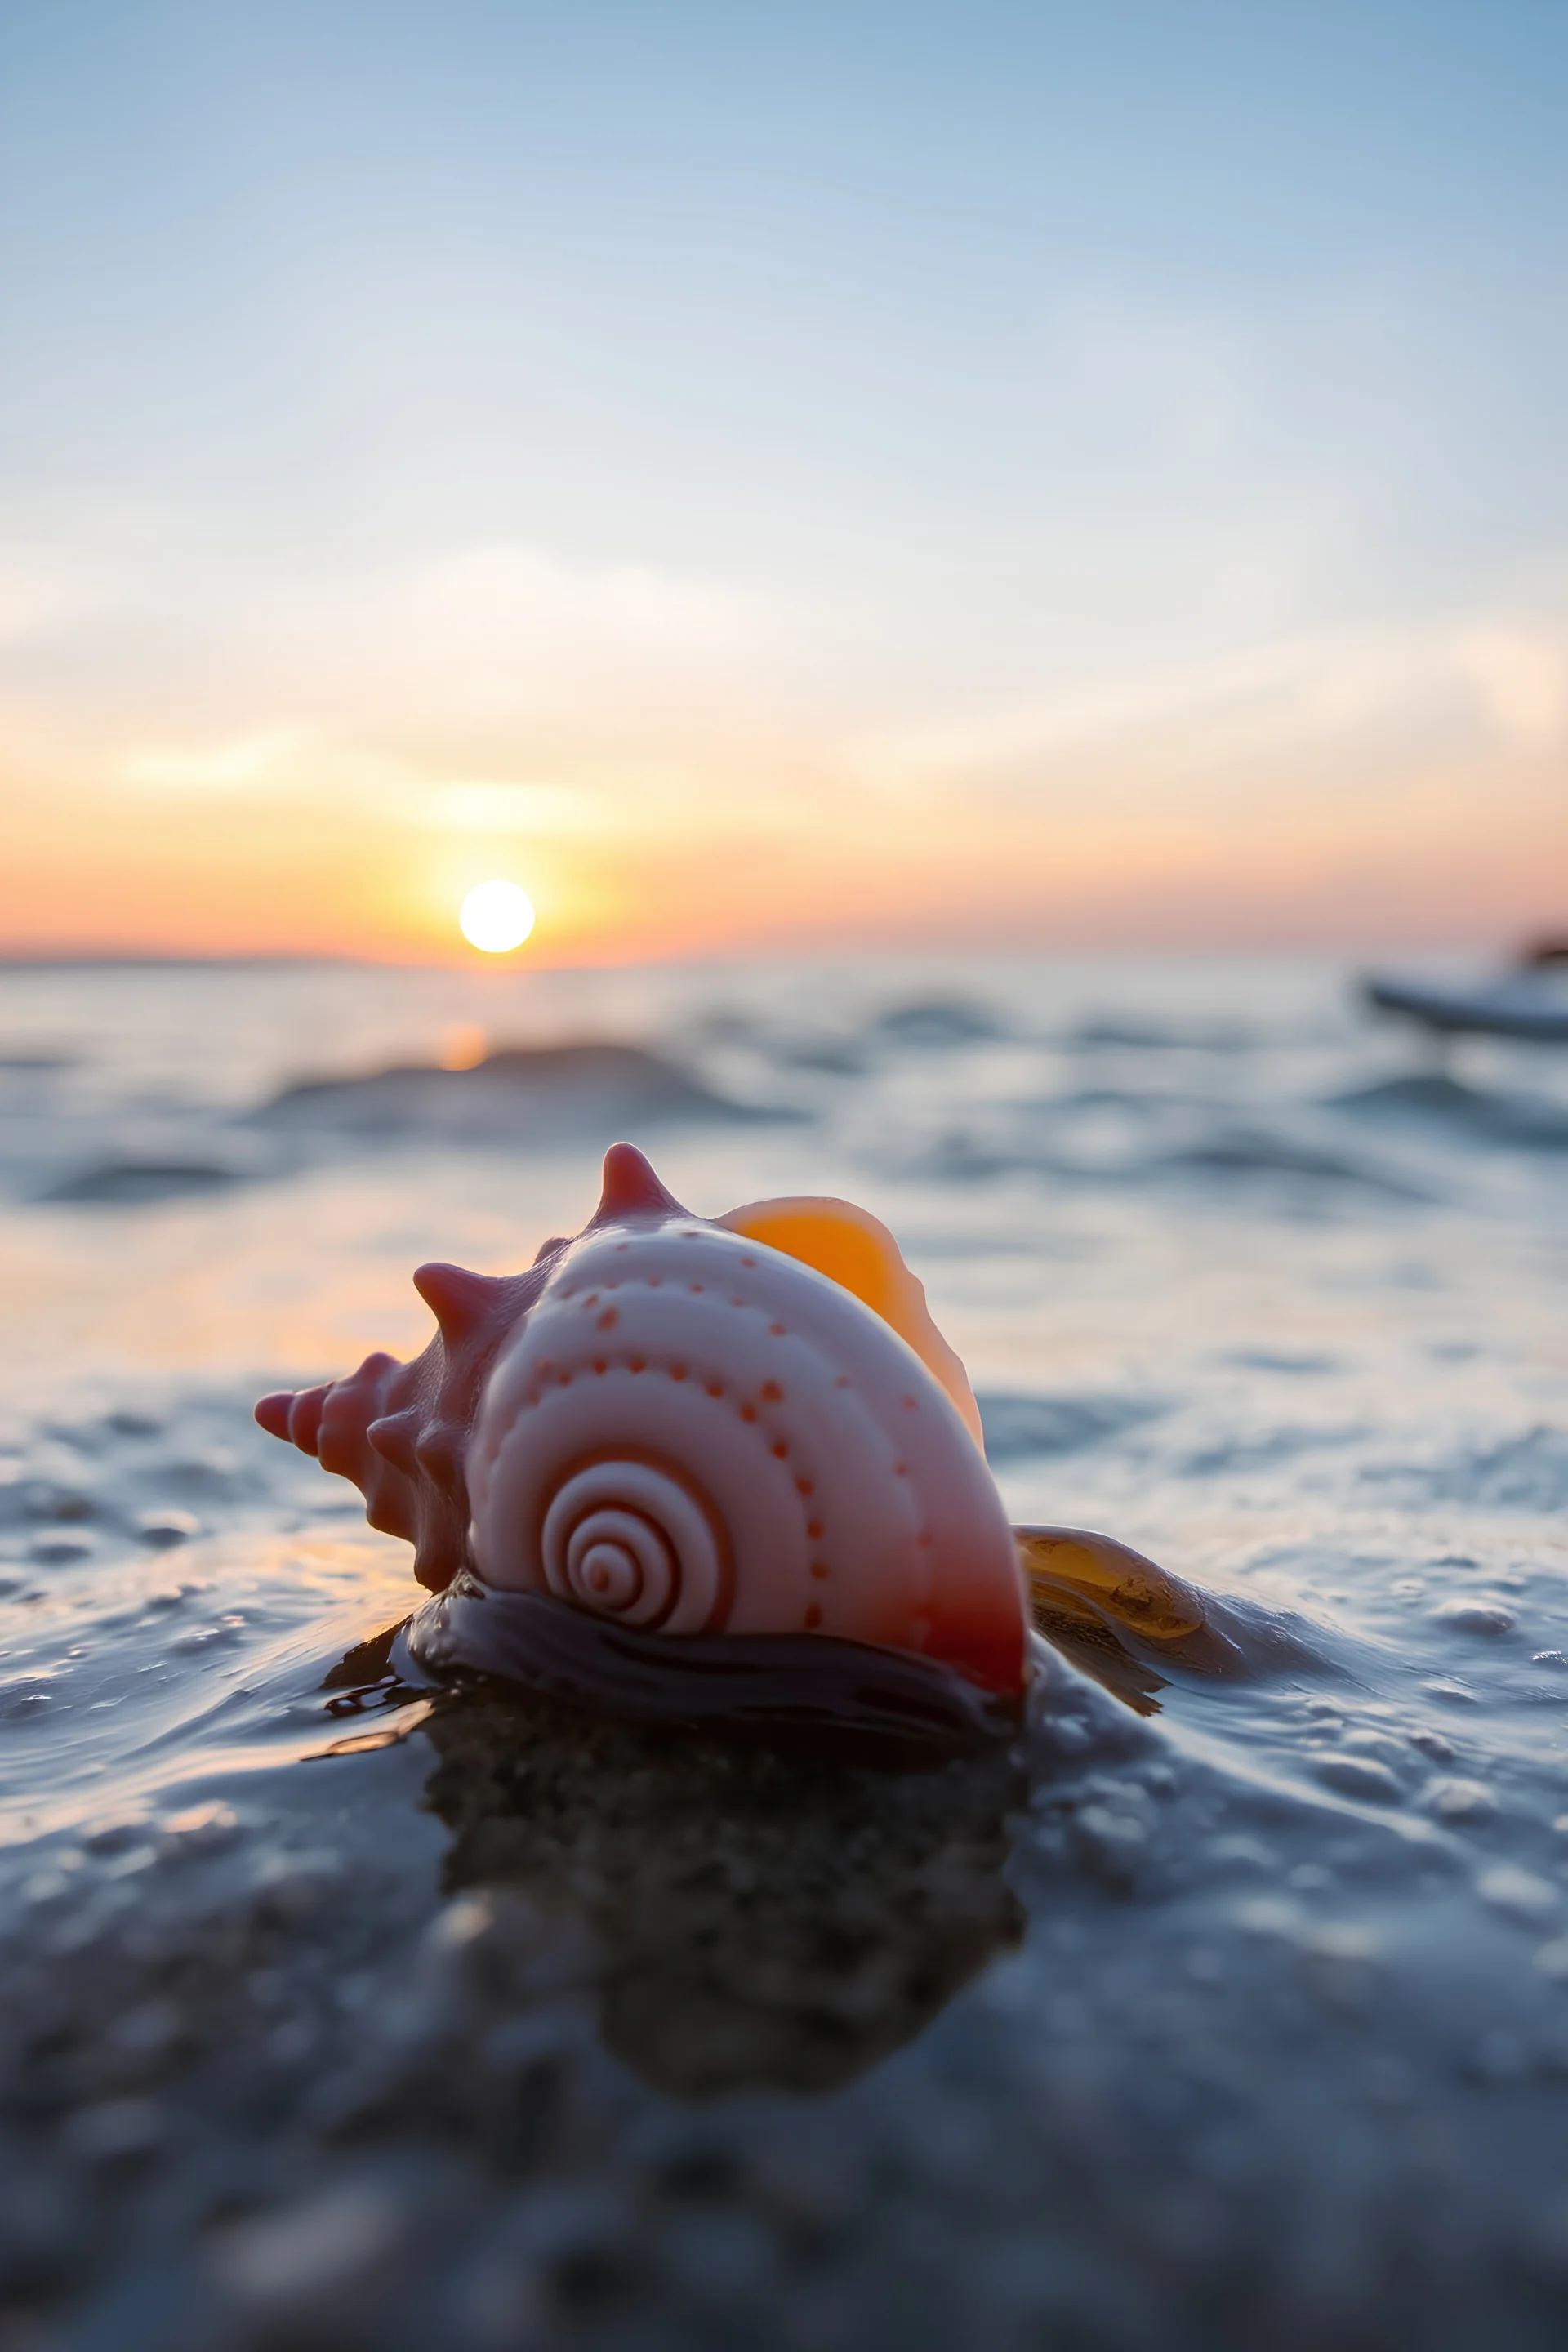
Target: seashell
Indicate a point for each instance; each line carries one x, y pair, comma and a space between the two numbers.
689, 1430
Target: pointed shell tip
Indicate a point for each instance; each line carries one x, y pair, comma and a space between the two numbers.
272, 1412
631, 1189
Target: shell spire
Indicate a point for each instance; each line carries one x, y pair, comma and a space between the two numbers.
400, 1430
686, 1428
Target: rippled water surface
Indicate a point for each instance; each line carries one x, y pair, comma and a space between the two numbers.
333, 2014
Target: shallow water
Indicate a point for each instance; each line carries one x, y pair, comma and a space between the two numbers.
332, 2016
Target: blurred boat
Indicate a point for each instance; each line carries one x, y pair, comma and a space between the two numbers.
1529, 1001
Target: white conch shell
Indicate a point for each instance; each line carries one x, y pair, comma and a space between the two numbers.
748, 1427
695, 1431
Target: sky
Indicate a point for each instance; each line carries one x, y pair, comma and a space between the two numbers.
783, 476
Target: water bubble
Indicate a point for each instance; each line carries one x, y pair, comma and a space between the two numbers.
202, 1829
1517, 1891
161, 1529
116, 1833
282, 2266
1380, 1744
59, 1551
1482, 1617
1461, 1800
1359, 1776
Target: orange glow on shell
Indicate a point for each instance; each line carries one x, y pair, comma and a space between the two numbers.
855, 1249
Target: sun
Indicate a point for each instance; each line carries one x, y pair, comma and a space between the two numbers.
496, 917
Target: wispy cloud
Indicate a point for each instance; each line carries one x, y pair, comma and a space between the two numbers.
539, 811
1520, 675
45, 595
310, 769
242, 764
513, 598
1508, 678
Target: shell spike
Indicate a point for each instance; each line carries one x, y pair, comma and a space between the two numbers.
295, 1416
461, 1302
272, 1412
632, 1189
305, 1411
395, 1437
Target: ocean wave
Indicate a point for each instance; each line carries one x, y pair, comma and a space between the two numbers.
1281, 1360
960, 1156
128, 1184
1527, 1473
1246, 1152
1265, 1450
1482, 1112
577, 1090
838, 1057
1205, 1037
942, 1022
1018, 1428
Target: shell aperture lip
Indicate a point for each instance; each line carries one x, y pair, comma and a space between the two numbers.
853, 1248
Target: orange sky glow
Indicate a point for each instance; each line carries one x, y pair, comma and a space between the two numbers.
816, 488
1336, 797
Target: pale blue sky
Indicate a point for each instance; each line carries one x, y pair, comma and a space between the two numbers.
918, 387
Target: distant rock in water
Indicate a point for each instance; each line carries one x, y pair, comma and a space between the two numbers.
129, 1182
536, 1090
943, 1022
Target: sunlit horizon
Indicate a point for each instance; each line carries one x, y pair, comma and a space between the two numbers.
973, 482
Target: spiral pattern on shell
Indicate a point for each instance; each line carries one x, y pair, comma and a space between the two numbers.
634, 1540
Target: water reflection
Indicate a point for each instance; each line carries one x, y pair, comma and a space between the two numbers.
756, 1920
765, 1915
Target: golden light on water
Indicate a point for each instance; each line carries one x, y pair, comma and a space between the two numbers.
496, 917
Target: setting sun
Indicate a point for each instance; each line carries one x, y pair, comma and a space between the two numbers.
496, 917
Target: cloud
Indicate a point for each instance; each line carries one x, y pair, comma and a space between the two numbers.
471, 645
40, 598
541, 811
514, 597
1521, 679
310, 769
1349, 690
240, 765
